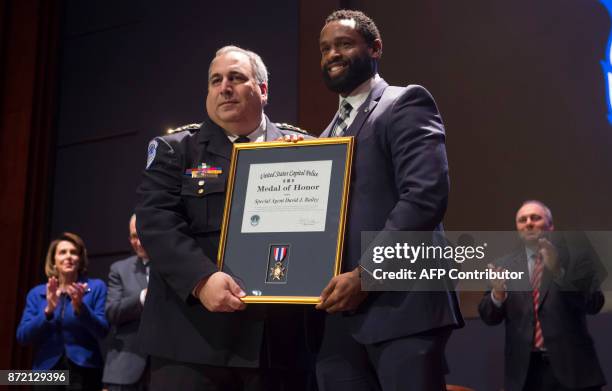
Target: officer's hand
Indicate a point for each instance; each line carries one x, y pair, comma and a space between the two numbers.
343, 293
220, 293
499, 287
291, 138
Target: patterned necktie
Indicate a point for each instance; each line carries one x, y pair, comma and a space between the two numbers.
242, 139
536, 280
343, 115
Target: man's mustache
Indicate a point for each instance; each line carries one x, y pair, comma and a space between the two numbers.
341, 62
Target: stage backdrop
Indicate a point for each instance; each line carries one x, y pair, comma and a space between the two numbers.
520, 86
131, 70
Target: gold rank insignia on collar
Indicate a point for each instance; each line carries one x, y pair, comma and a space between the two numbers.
286, 126
190, 127
204, 171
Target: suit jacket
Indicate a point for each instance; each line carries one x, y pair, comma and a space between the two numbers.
562, 311
124, 360
65, 332
179, 220
399, 182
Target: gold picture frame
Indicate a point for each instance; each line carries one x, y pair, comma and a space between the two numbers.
278, 250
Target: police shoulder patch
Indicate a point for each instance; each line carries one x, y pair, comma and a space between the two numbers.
151, 152
286, 126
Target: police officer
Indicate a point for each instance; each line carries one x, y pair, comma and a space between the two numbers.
198, 332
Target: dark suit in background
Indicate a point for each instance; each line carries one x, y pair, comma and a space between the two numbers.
125, 362
569, 290
564, 304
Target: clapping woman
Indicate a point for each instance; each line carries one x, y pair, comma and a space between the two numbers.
64, 318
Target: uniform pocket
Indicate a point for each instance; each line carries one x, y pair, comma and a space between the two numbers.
204, 199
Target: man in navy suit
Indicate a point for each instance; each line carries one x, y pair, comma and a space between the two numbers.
383, 340
127, 290
548, 346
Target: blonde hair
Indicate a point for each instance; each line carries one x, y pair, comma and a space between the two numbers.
75, 239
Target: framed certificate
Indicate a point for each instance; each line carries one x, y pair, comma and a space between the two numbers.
283, 224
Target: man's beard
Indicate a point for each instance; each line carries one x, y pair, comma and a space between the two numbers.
358, 70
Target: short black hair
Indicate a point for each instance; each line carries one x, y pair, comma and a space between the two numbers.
363, 24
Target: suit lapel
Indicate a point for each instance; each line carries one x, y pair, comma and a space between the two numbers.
544, 285
327, 130
141, 273
215, 139
519, 264
366, 108
363, 112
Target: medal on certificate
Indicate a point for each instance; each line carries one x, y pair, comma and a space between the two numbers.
278, 263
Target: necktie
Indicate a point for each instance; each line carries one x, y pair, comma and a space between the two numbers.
536, 280
343, 115
242, 139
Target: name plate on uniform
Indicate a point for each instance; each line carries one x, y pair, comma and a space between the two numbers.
283, 224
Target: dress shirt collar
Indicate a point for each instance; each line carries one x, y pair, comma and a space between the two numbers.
531, 256
257, 135
531, 253
359, 94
